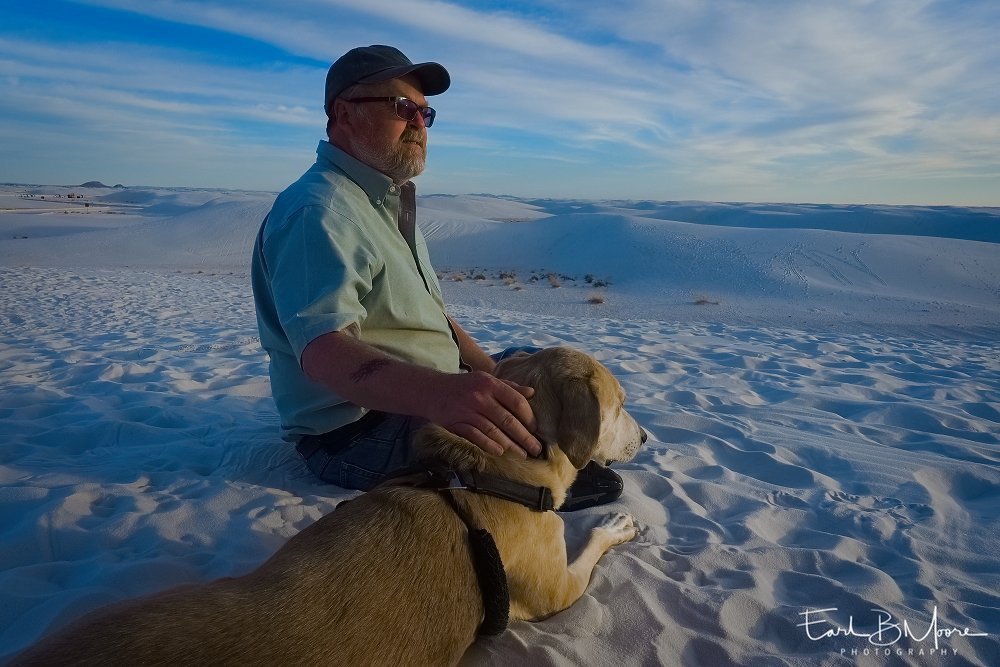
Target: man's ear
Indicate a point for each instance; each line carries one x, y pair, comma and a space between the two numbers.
579, 424
340, 120
337, 110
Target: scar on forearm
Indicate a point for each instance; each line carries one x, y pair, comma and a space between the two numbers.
367, 369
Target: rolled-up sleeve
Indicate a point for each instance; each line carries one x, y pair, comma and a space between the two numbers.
322, 265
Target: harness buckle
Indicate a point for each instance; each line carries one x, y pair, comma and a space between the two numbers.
455, 481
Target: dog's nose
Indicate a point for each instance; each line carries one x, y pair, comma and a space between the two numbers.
643, 436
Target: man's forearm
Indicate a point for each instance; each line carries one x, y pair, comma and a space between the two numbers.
367, 376
491, 413
471, 351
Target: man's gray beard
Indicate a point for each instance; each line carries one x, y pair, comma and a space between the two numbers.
395, 162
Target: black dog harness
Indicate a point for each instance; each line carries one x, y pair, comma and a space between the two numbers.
486, 561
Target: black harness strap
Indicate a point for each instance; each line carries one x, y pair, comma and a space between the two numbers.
486, 559
430, 473
490, 574
537, 498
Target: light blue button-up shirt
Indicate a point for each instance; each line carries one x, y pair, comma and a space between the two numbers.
330, 257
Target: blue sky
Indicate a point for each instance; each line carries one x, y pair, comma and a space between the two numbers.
889, 101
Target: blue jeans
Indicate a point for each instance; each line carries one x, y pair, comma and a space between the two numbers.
359, 458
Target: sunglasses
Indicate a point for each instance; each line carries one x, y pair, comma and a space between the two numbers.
405, 108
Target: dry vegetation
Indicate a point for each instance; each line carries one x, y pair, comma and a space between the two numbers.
510, 279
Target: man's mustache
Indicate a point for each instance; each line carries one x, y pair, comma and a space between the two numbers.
416, 137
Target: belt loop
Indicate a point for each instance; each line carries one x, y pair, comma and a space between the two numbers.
335, 441
308, 445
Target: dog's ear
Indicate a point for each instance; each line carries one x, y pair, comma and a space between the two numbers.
579, 425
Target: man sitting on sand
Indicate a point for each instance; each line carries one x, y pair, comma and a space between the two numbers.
362, 350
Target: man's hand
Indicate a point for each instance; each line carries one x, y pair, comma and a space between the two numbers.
491, 413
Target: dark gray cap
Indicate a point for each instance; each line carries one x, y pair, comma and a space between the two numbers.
371, 64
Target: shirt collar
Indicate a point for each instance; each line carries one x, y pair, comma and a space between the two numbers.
376, 185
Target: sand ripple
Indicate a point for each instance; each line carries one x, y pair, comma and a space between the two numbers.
787, 470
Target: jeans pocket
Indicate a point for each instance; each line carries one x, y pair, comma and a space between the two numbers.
372, 455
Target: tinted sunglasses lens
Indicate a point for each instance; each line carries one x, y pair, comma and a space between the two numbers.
408, 110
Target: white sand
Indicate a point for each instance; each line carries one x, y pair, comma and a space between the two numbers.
826, 435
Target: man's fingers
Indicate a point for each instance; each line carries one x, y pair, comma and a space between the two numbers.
494, 416
525, 391
486, 443
504, 438
519, 420
476, 437
509, 431
517, 402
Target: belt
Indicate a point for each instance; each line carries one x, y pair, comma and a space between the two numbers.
339, 439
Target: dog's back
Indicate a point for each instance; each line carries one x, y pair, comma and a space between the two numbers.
384, 579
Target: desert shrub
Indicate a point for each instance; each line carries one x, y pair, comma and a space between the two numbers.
596, 299
554, 280
702, 300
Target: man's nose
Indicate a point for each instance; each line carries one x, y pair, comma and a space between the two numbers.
418, 120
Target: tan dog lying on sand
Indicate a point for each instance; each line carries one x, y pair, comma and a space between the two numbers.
388, 578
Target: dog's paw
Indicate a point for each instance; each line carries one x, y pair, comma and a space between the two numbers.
619, 527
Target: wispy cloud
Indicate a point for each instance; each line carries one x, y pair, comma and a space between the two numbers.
817, 78
757, 100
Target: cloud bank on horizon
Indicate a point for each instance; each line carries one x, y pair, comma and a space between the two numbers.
894, 101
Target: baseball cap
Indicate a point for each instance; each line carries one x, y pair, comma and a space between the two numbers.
371, 64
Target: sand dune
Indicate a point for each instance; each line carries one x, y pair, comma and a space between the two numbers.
828, 436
